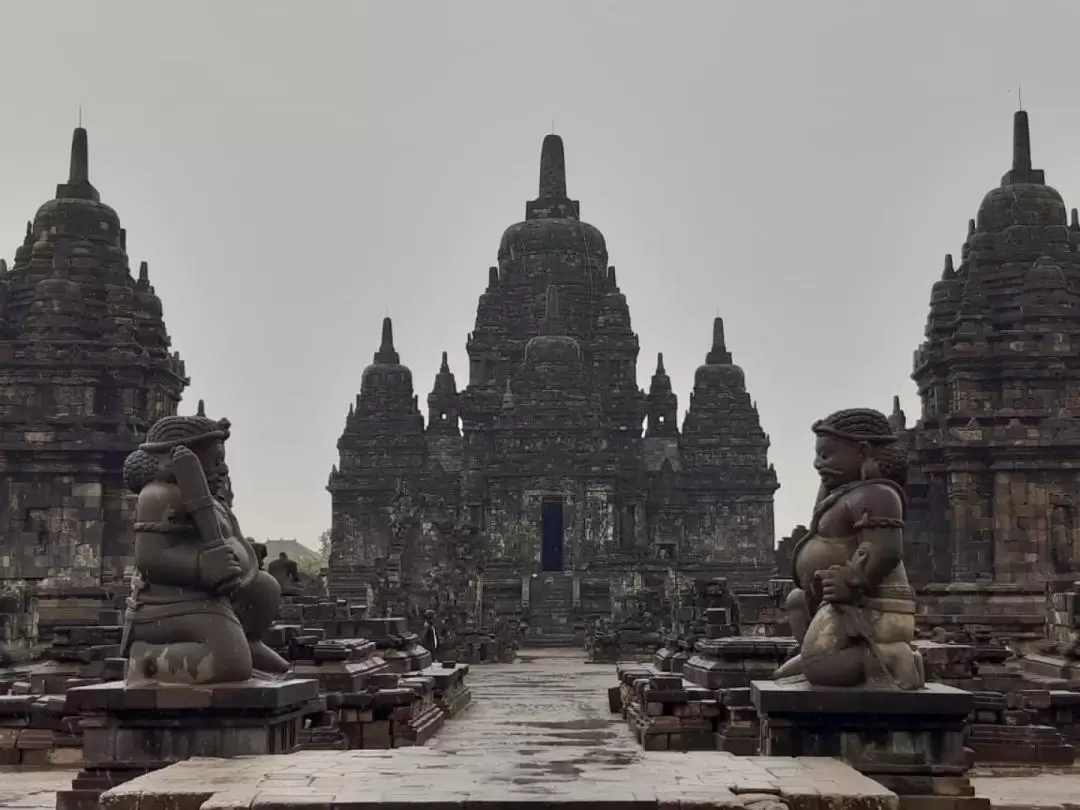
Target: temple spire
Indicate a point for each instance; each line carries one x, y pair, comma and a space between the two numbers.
660, 363
445, 367
78, 185
387, 353
387, 344
1021, 171
718, 355
552, 168
80, 158
949, 270
1021, 143
201, 410
897, 419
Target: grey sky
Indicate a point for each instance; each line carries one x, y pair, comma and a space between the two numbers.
293, 172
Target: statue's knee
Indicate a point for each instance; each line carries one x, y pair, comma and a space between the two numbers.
268, 588
257, 605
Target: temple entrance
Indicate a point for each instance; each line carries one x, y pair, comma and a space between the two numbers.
551, 523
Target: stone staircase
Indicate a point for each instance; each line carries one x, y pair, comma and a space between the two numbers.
551, 618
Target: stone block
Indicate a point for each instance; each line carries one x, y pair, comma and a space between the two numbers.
902, 739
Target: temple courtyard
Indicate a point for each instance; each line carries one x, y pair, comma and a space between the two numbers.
538, 732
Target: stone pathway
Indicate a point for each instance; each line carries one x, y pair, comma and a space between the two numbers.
550, 700
538, 731
33, 790
1048, 791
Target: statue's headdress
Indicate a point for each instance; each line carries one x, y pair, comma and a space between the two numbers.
145, 464
858, 425
184, 431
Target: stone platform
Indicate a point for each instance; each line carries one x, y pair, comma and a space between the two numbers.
428, 778
541, 721
910, 741
131, 730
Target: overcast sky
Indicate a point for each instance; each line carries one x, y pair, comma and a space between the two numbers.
294, 172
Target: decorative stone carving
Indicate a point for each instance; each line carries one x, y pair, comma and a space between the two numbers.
200, 603
853, 611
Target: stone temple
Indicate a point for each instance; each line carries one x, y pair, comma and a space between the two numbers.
568, 478
995, 491
85, 369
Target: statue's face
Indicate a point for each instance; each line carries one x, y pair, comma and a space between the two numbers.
217, 471
839, 462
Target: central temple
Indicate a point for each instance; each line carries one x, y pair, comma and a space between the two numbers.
552, 461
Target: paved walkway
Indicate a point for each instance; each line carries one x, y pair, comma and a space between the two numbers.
548, 707
538, 731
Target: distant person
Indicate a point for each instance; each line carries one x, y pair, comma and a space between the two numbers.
430, 638
286, 572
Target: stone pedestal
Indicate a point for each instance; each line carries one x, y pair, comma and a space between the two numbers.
910, 742
131, 731
733, 662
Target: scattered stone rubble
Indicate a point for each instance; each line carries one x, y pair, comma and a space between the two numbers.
700, 699
380, 691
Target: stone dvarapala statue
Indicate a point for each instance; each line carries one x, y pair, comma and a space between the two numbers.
200, 605
853, 610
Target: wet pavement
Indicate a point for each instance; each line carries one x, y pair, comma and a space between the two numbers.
550, 700
538, 732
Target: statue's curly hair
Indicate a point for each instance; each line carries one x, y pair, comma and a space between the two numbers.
151, 461
140, 468
867, 425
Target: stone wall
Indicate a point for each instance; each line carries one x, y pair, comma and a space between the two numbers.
550, 424
995, 492
86, 367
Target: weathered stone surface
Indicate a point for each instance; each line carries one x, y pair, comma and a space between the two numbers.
86, 367
995, 496
539, 732
911, 741
550, 435
132, 730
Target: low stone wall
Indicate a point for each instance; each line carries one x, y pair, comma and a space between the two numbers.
1015, 612
381, 691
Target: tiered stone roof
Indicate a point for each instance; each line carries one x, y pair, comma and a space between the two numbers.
999, 378
722, 430
552, 412
86, 367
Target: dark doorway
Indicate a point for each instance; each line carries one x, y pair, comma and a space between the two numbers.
551, 520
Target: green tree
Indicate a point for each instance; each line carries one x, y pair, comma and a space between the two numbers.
324, 549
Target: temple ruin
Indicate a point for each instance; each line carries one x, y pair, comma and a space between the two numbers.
541, 458
994, 492
85, 368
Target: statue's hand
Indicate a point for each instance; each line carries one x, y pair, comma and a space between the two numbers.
837, 584
219, 568
180, 451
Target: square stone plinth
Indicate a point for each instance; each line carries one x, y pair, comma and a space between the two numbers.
254, 695
132, 730
777, 697
505, 777
910, 741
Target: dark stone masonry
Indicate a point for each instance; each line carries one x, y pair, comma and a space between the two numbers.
548, 502
542, 457
85, 368
995, 489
